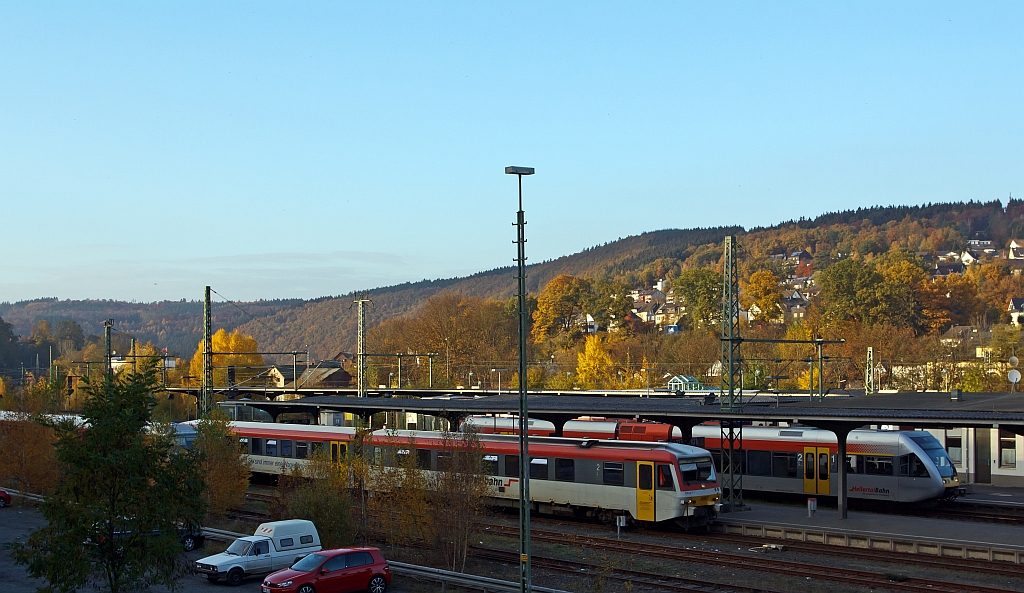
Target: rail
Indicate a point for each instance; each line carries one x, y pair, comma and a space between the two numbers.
33, 497
925, 546
469, 581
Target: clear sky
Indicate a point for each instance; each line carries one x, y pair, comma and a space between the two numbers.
300, 149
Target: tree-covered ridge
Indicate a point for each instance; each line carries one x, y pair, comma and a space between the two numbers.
327, 325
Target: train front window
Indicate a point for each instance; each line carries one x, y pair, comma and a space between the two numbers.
934, 450
698, 469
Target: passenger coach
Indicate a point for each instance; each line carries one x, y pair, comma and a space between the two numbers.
649, 482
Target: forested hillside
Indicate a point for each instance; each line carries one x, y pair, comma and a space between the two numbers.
327, 325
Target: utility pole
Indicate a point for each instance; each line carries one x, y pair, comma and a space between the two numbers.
207, 393
732, 430
108, 366
525, 573
361, 345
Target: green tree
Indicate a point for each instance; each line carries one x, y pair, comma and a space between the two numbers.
112, 522
608, 303
700, 291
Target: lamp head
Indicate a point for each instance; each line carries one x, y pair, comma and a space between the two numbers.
519, 170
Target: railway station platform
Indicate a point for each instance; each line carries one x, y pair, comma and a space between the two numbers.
993, 495
881, 531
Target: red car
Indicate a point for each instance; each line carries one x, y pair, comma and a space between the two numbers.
333, 571
5, 498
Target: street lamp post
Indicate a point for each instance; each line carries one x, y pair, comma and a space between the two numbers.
499, 371
525, 577
469, 380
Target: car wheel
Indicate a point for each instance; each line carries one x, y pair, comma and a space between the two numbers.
235, 577
189, 543
3, 503
378, 584
306, 589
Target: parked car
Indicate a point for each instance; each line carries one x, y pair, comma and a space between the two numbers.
333, 571
274, 546
5, 498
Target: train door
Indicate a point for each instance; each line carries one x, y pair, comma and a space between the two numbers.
645, 491
817, 470
337, 451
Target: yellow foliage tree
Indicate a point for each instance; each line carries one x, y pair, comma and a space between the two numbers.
594, 365
247, 366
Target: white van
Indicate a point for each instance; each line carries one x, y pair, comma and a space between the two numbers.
274, 546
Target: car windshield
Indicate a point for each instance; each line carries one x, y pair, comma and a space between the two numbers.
239, 547
699, 469
310, 562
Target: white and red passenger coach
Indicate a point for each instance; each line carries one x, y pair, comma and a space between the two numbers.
648, 481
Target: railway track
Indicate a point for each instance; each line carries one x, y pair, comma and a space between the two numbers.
772, 565
976, 566
636, 577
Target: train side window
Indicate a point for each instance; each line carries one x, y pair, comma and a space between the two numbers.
784, 465
301, 450
912, 466
256, 446
759, 463
444, 460
423, 458
852, 462
878, 466
286, 448
489, 465
539, 468
512, 466
565, 470
271, 448
402, 457
613, 474
665, 481
809, 466
316, 447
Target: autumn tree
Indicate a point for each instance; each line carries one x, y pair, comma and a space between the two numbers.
608, 303
27, 440
560, 306
594, 367
700, 291
320, 494
764, 292
113, 520
458, 489
225, 465
247, 366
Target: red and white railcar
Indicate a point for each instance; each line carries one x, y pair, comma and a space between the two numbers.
648, 481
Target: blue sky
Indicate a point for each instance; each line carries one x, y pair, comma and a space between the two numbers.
303, 149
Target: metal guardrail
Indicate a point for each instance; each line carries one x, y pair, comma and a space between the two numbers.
34, 497
470, 581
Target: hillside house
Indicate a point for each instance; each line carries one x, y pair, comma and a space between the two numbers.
1016, 309
943, 269
326, 373
803, 263
794, 305
647, 296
